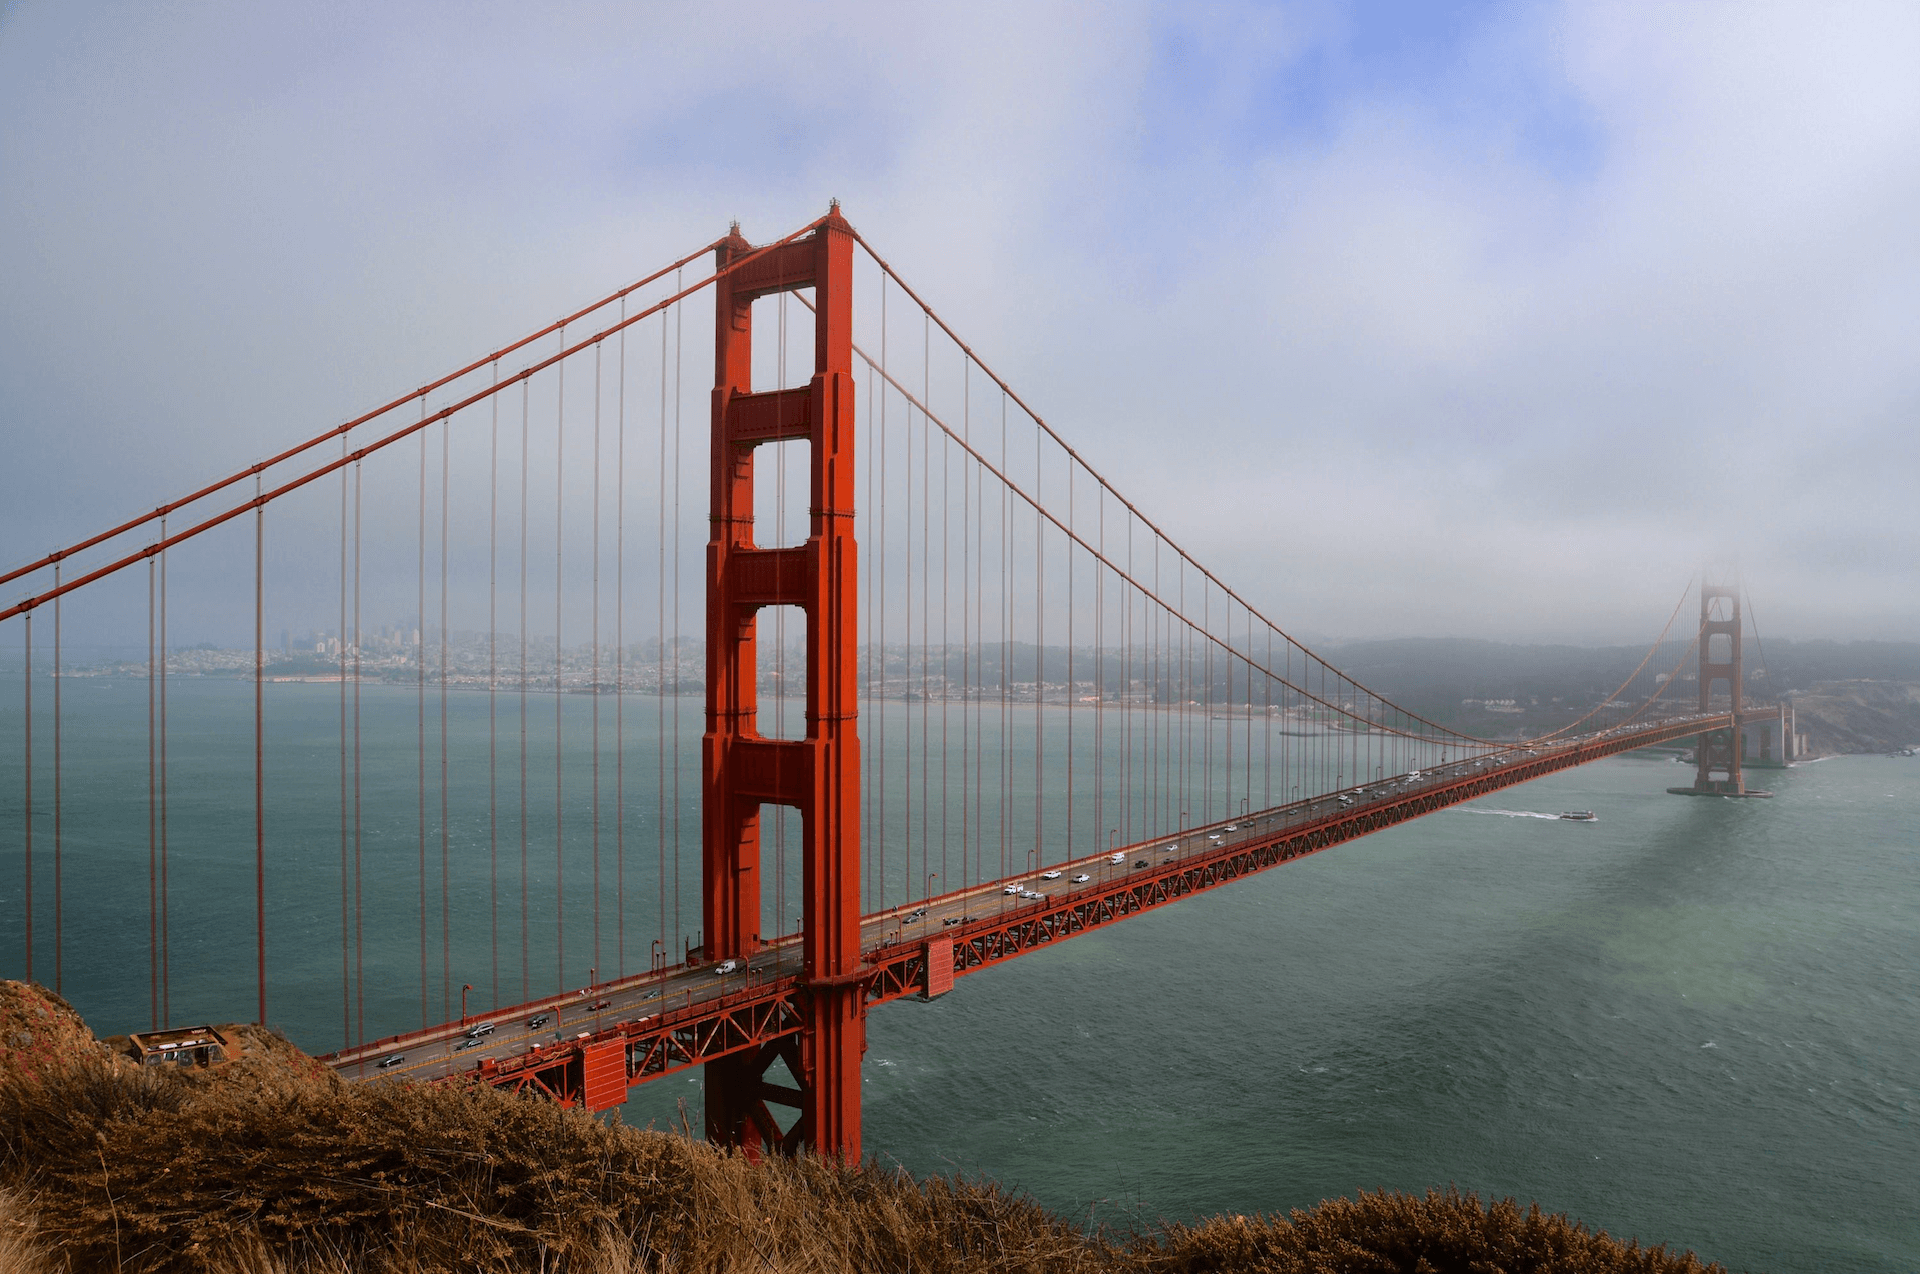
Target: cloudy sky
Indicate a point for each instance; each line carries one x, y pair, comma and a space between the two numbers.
1482, 319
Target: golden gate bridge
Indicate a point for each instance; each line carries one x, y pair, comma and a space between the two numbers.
1024, 711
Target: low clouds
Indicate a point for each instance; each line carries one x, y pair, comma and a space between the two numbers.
1502, 325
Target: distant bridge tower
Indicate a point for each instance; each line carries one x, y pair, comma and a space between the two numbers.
818, 775
1717, 752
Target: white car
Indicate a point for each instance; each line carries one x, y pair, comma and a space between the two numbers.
1082, 878
1213, 835
1116, 858
1049, 875
1011, 890
1233, 827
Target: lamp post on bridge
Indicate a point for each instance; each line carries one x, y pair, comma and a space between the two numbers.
464, 988
931, 877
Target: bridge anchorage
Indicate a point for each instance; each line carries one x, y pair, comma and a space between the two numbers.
1069, 717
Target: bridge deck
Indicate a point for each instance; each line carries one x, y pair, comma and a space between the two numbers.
593, 1043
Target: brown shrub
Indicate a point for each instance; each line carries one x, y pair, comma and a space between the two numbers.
39, 1030
1407, 1234
267, 1172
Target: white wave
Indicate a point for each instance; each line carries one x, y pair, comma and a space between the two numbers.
1481, 809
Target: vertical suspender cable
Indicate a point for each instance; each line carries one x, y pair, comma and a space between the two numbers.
619, 659
870, 834
446, 854
1005, 768
493, 686
946, 648
526, 938
153, 822
260, 751
359, 806
420, 705
58, 908
678, 350
340, 643
559, 701
906, 668
594, 690
880, 566
1185, 708
926, 612
967, 636
27, 801
660, 641
166, 965
1206, 714
1039, 647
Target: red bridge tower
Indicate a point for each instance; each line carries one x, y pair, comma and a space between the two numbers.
818, 775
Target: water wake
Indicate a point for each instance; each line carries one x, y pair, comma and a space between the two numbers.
1481, 809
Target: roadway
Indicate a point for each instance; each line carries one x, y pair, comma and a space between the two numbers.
551, 1026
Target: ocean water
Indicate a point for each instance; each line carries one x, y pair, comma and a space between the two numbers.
1691, 1021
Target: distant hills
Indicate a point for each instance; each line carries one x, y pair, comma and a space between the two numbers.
1851, 696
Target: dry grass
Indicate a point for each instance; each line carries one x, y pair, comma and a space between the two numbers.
1407, 1234
274, 1167
180, 1170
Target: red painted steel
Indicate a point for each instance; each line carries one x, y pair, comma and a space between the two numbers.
603, 1074
900, 969
818, 775
939, 958
769, 1018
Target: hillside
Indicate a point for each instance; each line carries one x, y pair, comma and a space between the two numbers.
1859, 716
270, 1164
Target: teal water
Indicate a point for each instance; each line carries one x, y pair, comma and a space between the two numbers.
1692, 1021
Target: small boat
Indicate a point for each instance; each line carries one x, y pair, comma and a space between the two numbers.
1578, 816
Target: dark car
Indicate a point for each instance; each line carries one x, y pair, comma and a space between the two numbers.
597, 1005
1141, 863
393, 1060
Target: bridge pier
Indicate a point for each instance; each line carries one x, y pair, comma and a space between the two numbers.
818, 775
